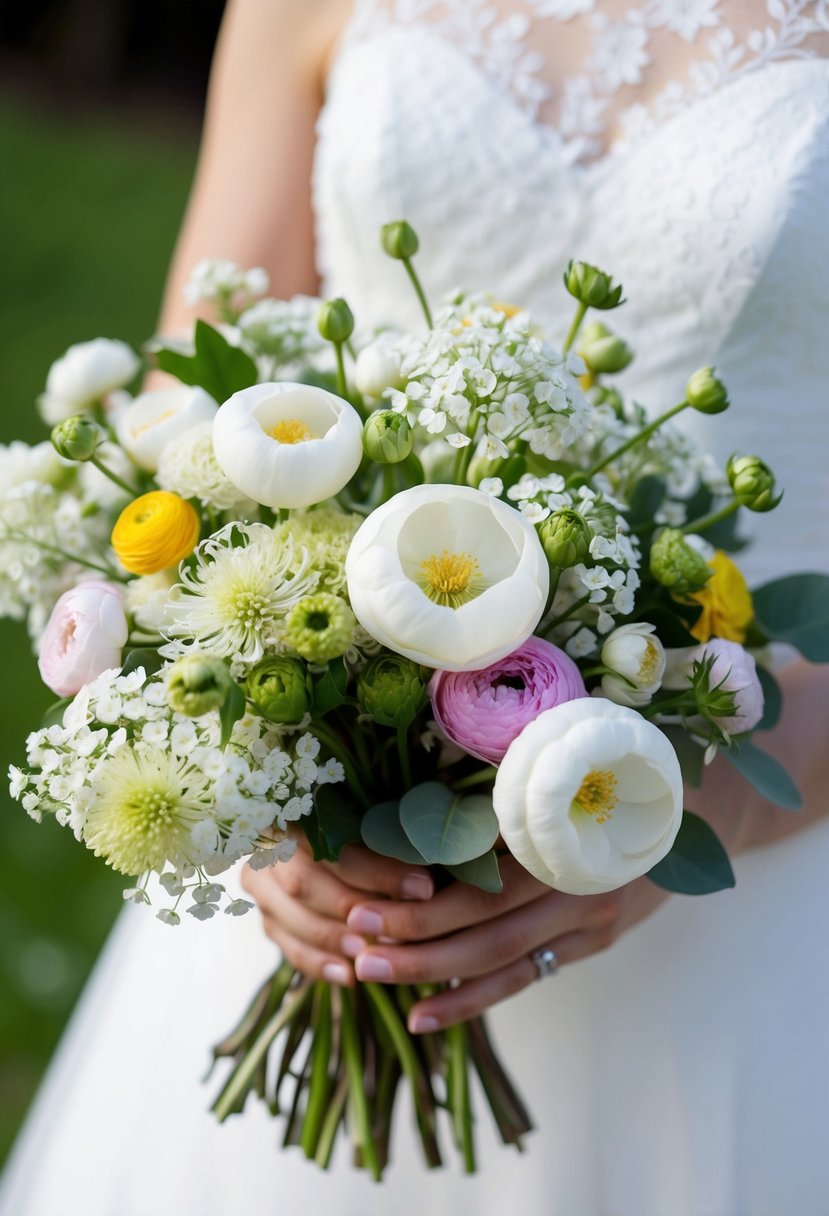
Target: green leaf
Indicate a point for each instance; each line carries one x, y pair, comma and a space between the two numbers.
150, 660
795, 609
481, 872
772, 697
217, 367
382, 832
766, 774
646, 500
329, 689
230, 713
446, 828
332, 824
670, 628
697, 864
54, 714
690, 755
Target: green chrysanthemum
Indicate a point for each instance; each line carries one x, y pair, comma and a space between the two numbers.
145, 805
320, 627
326, 535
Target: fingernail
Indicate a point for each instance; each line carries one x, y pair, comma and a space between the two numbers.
337, 973
365, 921
370, 967
423, 1023
416, 886
352, 945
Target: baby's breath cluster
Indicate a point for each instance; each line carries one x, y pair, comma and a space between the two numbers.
149, 789
226, 286
282, 332
483, 376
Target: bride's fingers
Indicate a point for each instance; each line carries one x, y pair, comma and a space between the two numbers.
477, 951
309, 959
290, 916
475, 996
456, 907
302, 880
370, 872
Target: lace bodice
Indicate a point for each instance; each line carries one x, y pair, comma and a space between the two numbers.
714, 217
601, 74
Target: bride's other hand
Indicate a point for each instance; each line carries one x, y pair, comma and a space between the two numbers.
305, 904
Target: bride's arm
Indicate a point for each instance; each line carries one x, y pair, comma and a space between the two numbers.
486, 941
251, 198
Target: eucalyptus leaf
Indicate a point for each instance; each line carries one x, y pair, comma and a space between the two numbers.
766, 774
481, 872
697, 864
332, 824
382, 832
230, 713
690, 755
795, 609
446, 828
772, 699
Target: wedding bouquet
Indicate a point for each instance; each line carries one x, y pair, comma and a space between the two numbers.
448, 594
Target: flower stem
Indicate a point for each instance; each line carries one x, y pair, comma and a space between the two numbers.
69, 557
353, 1057
551, 594
102, 468
458, 1095
477, 778
336, 748
403, 753
581, 311
412, 273
342, 383
708, 521
321, 1030
645, 433
546, 626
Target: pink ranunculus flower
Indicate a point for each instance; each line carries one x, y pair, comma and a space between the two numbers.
84, 637
483, 711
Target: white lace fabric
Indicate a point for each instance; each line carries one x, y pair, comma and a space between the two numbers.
601, 73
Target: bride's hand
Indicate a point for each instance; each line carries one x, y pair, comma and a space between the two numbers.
305, 904
487, 941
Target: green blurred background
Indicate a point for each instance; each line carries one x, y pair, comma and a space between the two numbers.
96, 168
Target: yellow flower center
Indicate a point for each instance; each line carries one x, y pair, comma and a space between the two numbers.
291, 430
451, 579
649, 665
597, 795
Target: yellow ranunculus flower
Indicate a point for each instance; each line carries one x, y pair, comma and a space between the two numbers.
155, 532
727, 609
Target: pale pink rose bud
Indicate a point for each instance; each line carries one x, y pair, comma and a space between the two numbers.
84, 637
734, 670
483, 711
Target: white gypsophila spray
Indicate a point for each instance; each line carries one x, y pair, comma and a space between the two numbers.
282, 331
152, 791
483, 377
223, 283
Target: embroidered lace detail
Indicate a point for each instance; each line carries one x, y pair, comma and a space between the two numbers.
604, 72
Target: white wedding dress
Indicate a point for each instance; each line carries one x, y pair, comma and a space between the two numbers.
685, 1072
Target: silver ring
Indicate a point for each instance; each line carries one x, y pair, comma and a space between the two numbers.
546, 961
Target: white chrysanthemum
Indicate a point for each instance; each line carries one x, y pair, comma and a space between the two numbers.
242, 584
145, 804
188, 466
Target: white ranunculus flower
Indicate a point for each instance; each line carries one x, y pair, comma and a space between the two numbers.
288, 445
636, 659
589, 796
84, 375
447, 576
149, 422
378, 368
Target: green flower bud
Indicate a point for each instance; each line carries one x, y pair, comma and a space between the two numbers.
706, 393
335, 320
565, 537
197, 684
280, 688
676, 564
752, 482
602, 350
320, 627
387, 437
510, 469
391, 690
76, 438
592, 286
399, 240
